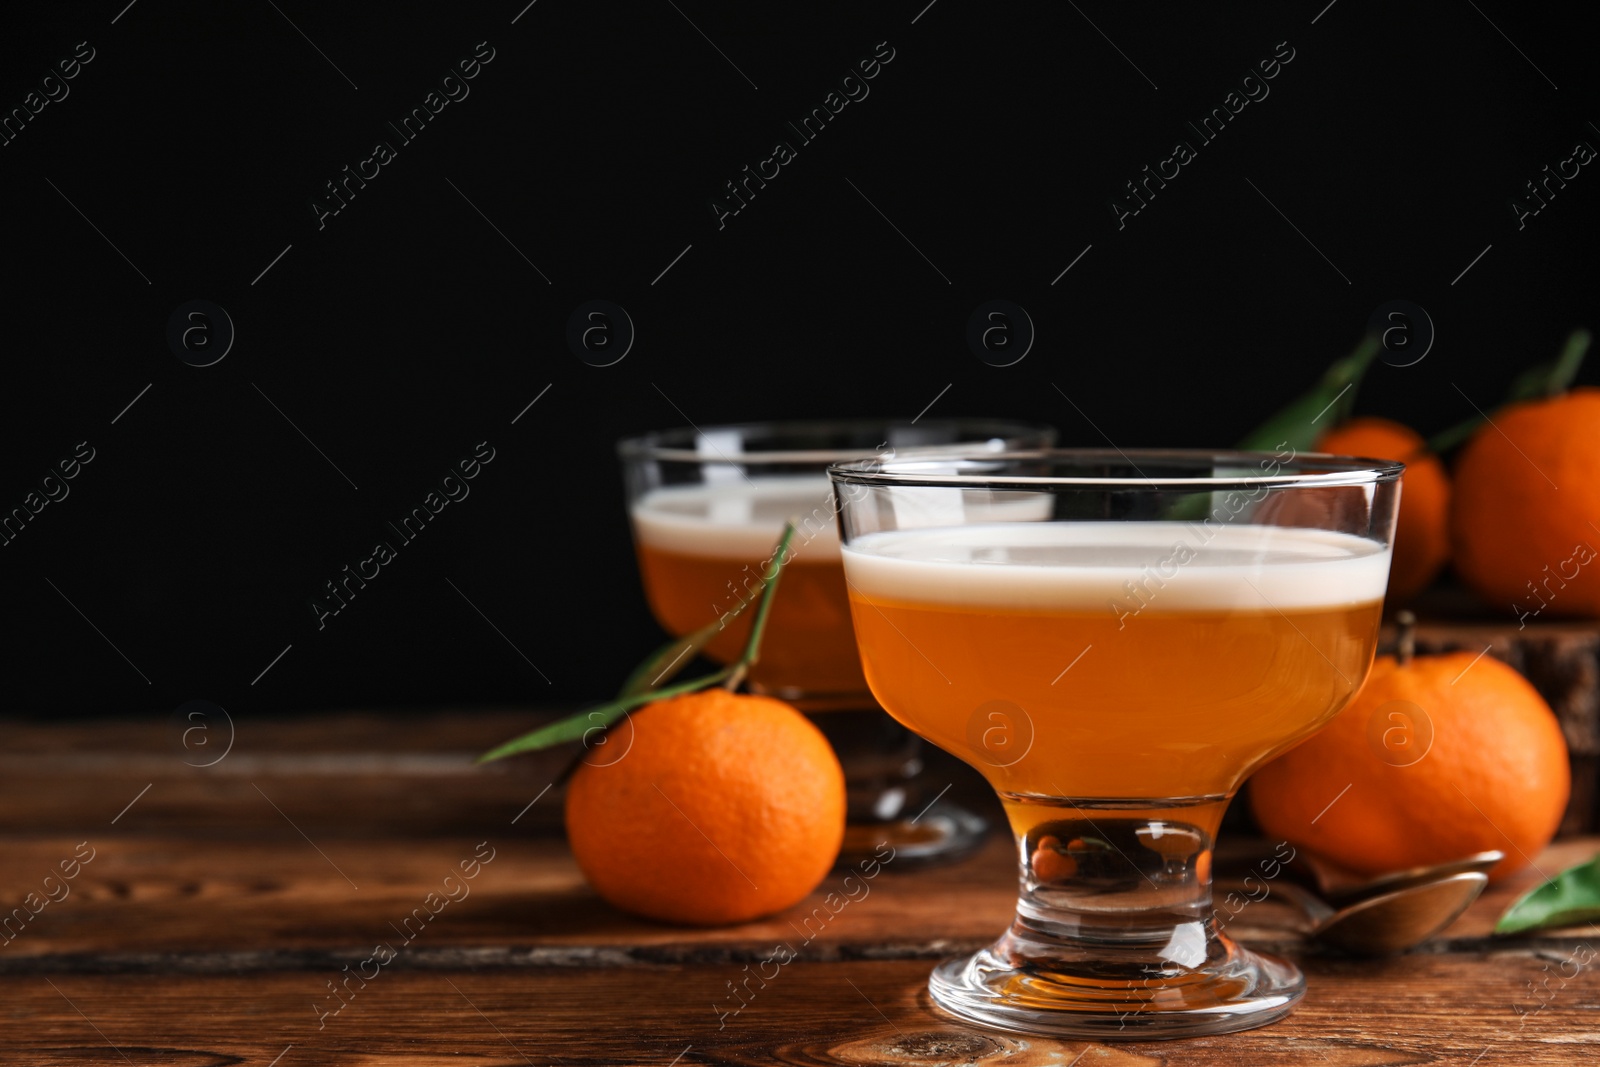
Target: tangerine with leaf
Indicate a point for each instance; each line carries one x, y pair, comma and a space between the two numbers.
722, 808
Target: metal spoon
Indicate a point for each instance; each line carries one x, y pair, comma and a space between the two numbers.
1339, 887
1388, 922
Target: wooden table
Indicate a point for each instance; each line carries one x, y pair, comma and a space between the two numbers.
222, 904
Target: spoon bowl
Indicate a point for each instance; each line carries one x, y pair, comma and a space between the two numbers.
1340, 888
1384, 923
1341, 893
1401, 918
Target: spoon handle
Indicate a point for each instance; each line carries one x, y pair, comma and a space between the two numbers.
1312, 907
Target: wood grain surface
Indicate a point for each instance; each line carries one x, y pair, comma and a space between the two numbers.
223, 904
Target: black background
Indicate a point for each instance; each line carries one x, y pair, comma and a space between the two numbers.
408, 329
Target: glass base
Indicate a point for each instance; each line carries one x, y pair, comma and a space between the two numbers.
1236, 989
943, 833
1115, 936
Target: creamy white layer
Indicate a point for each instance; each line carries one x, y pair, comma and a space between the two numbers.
742, 519
1067, 566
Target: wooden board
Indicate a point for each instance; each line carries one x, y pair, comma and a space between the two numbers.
155, 902
1418, 1009
219, 906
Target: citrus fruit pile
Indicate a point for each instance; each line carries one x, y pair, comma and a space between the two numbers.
1441, 756
1520, 518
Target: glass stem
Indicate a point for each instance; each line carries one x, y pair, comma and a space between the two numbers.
1122, 886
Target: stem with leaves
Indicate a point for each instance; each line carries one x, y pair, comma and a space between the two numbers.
752, 646
1535, 383
644, 684
1299, 423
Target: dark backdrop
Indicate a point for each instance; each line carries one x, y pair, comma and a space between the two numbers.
381, 345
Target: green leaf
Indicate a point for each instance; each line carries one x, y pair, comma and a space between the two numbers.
1571, 897
780, 556
1320, 408
1445, 440
664, 663
642, 685
1299, 422
1535, 383
578, 726
1548, 379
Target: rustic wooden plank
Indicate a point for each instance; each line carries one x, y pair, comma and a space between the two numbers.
1415, 1009
404, 772
153, 902
207, 923
341, 774
168, 895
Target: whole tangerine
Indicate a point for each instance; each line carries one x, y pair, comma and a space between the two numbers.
1526, 515
1433, 760
725, 807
